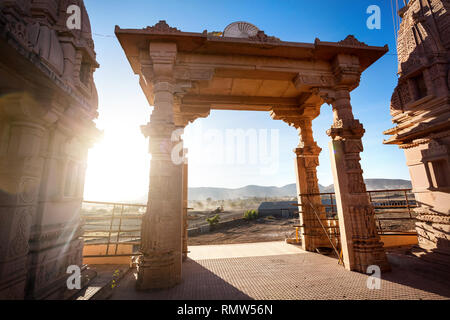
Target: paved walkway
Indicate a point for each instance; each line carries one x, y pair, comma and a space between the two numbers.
276, 270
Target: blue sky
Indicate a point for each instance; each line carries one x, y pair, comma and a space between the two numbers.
119, 164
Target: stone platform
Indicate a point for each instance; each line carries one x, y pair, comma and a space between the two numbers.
276, 270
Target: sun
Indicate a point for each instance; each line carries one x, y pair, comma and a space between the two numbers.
118, 166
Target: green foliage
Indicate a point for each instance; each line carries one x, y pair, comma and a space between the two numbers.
214, 220
250, 214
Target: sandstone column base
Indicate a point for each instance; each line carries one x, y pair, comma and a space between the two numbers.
159, 271
360, 242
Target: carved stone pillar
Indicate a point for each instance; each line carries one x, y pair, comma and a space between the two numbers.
185, 206
306, 162
361, 244
161, 231
21, 166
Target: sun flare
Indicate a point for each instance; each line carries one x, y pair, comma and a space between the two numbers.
118, 166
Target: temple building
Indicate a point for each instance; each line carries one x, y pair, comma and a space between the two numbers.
420, 109
48, 101
48, 104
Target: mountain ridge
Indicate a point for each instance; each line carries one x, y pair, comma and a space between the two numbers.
289, 190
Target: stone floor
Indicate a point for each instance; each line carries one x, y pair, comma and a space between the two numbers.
276, 270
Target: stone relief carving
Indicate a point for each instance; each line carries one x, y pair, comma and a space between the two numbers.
162, 27
356, 183
19, 31
44, 41
346, 128
362, 221
19, 243
33, 26
352, 41
305, 81
262, 37
28, 190
435, 149
352, 164
353, 146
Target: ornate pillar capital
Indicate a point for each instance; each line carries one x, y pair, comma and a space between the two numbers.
346, 70
163, 55
328, 95
346, 129
344, 124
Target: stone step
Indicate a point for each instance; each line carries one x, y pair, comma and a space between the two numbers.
88, 275
102, 286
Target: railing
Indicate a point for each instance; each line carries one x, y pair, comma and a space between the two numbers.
116, 227
113, 227
393, 209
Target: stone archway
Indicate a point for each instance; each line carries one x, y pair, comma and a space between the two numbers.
184, 75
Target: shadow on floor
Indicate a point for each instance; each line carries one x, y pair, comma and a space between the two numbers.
415, 273
198, 283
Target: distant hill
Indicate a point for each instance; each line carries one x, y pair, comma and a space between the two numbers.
289, 190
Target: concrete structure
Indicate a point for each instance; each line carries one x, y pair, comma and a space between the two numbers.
48, 102
420, 108
184, 75
282, 209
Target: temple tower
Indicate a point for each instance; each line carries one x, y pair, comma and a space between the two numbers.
420, 109
48, 102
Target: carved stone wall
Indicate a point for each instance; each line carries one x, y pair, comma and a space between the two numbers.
420, 109
48, 102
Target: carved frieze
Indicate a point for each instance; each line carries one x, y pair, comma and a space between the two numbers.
193, 74
306, 81
435, 150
